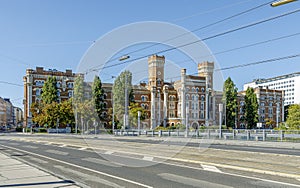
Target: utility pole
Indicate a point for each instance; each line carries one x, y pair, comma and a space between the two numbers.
126, 104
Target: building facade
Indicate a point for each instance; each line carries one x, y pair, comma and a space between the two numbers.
6, 112
289, 83
270, 108
34, 81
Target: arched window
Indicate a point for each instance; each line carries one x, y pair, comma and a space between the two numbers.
187, 97
202, 89
38, 92
58, 84
202, 97
58, 93
193, 89
143, 105
70, 93
197, 89
144, 98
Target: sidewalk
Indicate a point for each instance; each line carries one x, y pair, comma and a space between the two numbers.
14, 173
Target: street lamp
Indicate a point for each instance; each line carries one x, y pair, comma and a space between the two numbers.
220, 119
126, 94
112, 104
281, 2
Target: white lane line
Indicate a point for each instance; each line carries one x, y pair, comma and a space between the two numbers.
82, 148
89, 177
147, 158
210, 168
61, 146
31, 147
56, 152
191, 181
109, 152
38, 160
101, 161
81, 167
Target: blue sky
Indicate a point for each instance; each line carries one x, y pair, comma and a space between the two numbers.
57, 33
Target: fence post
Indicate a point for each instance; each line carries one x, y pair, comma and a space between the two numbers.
248, 134
208, 134
152, 133
169, 133
159, 133
264, 135
233, 134
177, 133
281, 135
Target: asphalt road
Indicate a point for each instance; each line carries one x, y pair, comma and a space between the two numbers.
88, 168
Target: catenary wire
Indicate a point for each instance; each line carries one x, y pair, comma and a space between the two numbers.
197, 29
197, 41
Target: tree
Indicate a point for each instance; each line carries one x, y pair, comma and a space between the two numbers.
134, 108
293, 119
230, 96
121, 82
98, 97
49, 89
251, 108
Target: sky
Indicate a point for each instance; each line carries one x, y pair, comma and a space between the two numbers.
56, 34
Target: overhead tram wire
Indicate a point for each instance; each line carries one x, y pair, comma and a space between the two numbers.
9, 83
198, 29
248, 64
232, 49
204, 27
207, 38
245, 46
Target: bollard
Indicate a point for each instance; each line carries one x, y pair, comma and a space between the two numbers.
169, 133
264, 135
281, 135
177, 133
159, 133
233, 134
248, 134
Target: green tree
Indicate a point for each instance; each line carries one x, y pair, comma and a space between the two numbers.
134, 108
251, 108
98, 97
230, 98
78, 90
49, 89
121, 82
293, 119
66, 113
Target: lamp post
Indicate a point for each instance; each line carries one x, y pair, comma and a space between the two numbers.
112, 104
139, 121
125, 57
220, 119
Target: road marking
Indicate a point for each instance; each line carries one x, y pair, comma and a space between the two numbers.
101, 161
109, 152
64, 145
147, 158
191, 181
56, 152
38, 160
84, 168
82, 148
88, 177
31, 147
210, 168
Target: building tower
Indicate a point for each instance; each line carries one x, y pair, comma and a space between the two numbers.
156, 82
206, 69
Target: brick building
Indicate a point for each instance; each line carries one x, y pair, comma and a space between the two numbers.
34, 81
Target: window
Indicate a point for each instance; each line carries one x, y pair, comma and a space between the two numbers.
144, 98
197, 89
70, 85
38, 92
58, 84
58, 93
187, 97
70, 93
202, 97
202, 89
